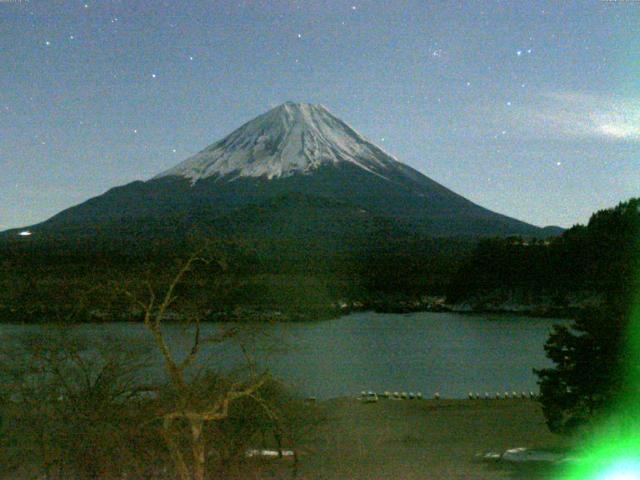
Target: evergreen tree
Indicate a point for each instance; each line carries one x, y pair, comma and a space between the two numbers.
588, 376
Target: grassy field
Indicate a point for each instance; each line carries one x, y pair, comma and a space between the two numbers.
402, 439
423, 439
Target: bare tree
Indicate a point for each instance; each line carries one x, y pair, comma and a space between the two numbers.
72, 407
188, 408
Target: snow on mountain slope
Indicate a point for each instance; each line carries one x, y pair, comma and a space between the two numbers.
293, 149
291, 138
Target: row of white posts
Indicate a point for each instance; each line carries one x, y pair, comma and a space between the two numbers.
472, 395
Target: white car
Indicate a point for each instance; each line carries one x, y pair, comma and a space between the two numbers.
369, 397
253, 453
520, 455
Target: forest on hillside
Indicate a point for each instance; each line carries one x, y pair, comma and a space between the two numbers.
84, 279
588, 264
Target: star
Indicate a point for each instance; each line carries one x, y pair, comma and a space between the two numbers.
508, 104
174, 150
153, 75
71, 37
47, 43
468, 84
519, 52
135, 130
353, 7
190, 58
558, 164
86, 5
529, 50
299, 35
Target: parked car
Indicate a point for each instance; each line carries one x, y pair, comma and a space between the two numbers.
369, 397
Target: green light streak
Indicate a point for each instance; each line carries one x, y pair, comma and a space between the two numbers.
612, 451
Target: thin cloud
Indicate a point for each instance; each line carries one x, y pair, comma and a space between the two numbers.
571, 115
580, 115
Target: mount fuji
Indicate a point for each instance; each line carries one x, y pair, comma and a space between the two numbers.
296, 172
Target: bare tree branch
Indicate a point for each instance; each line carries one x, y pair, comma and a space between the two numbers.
185, 408
194, 349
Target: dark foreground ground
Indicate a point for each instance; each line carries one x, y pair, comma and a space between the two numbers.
424, 439
407, 440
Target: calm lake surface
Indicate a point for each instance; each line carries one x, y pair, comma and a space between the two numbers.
420, 352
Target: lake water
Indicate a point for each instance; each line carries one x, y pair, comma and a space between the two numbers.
420, 352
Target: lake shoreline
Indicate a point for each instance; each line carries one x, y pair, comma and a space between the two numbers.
518, 311
542, 308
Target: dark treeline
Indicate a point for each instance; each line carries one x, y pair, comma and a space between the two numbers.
590, 263
310, 277
59, 279
595, 370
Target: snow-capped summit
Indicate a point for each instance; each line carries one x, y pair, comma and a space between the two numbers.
296, 170
291, 138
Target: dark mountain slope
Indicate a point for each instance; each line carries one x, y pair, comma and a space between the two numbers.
298, 149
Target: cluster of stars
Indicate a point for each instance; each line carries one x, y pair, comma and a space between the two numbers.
436, 52
509, 103
115, 20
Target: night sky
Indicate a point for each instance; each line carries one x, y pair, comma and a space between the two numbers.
531, 109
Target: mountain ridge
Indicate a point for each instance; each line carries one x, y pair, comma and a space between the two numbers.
293, 148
